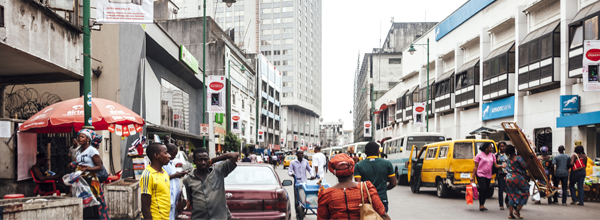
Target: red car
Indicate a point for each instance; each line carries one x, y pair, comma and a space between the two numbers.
254, 191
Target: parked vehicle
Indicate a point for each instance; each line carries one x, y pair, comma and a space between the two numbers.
254, 191
398, 150
446, 165
357, 148
182, 162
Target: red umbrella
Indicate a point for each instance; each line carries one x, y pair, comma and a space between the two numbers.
63, 116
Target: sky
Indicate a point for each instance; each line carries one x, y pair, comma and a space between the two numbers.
353, 26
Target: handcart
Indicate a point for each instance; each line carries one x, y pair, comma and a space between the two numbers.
534, 166
307, 195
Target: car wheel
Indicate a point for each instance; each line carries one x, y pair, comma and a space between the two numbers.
442, 189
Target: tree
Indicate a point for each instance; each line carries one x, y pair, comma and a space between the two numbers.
232, 143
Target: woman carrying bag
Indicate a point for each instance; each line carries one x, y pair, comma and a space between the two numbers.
577, 163
346, 200
90, 164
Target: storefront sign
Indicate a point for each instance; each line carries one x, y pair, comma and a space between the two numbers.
419, 114
498, 109
281, 142
464, 13
124, 11
569, 105
591, 64
216, 94
367, 129
235, 122
186, 57
261, 136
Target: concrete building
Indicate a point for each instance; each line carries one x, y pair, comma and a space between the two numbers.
269, 115
381, 70
330, 133
347, 137
496, 61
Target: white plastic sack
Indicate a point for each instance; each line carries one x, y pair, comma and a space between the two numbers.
71, 178
81, 189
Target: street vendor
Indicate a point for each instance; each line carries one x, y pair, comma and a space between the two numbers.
41, 174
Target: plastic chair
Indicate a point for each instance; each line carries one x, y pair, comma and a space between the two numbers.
113, 178
38, 191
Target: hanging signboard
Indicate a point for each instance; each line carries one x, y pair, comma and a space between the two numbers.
281, 142
498, 109
295, 138
125, 11
302, 142
591, 64
216, 94
204, 130
569, 105
261, 136
235, 122
367, 129
419, 114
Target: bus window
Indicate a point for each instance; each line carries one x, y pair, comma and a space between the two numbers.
478, 145
419, 141
463, 150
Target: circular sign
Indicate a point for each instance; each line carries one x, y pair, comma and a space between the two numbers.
235, 118
593, 54
419, 109
176, 117
260, 132
367, 125
216, 86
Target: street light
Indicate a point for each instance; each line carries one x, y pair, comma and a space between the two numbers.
229, 2
412, 50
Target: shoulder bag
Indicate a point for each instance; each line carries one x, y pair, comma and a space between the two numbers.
578, 164
367, 212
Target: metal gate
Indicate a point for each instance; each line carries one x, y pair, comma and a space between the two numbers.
59, 150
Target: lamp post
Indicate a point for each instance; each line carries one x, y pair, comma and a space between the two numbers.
412, 50
87, 67
204, 72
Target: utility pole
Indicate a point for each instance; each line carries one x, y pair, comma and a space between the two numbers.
203, 72
87, 67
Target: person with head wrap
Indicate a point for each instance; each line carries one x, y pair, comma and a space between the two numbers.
89, 163
342, 200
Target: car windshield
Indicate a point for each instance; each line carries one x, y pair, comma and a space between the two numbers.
251, 175
290, 158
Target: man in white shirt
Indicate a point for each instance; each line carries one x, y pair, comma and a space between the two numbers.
318, 162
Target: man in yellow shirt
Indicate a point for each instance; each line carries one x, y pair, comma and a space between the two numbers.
154, 184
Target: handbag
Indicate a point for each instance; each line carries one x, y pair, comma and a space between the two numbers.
367, 212
102, 175
579, 164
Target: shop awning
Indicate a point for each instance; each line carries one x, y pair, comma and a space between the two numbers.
446, 75
543, 31
383, 107
589, 118
487, 129
501, 50
160, 128
468, 65
585, 12
431, 82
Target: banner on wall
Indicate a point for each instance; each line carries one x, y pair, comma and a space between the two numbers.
591, 65
216, 94
261, 136
125, 11
235, 122
367, 129
419, 114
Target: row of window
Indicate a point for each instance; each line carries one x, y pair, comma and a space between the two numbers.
277, 31
277, 20
276, 42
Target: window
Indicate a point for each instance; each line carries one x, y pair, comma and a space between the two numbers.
523, 55
286, 30
175, 106
242, 104
534, 51
276, 20
591, 29
233, 98
443, 152
395, 61
267, 21
287, 9
288, 41
463, 150
266, 53
266, 32
431, 153
266, 10
576, 38
277, 31
265, 42
1, 16
287, 20
276, 10
546, 46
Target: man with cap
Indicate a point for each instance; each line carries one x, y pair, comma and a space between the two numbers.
561, 173
379, 171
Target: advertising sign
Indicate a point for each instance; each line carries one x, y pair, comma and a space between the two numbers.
367, 129
261, 136
419, 114
204, 130
235, 122
281, 141
498, 109
216, 94
302, 142
591, 63
125, 11
569, 105
295, 138
186, 57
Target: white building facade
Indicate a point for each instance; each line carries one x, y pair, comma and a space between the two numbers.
494, 61
269, 93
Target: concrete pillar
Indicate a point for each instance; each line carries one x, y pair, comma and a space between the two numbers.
485, 48
458, 61
439, 70
520, 34
2, 101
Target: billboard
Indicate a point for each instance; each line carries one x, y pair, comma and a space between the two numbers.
216, 94
419, 114
125, 11
236, 122
591, 64
367, 129
498, 109
261, 136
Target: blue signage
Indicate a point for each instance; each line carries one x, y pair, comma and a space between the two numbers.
461, 15
498, 109
569, 104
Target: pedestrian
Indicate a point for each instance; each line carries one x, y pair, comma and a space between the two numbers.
378, 171
205, 186
89, 163
174, 176
548, 169
297, 169
318, 162
343, 200
155, 186
561, 173
517, 188
501, 159
274, 160
483, 170
355, 158
73, 149
578, 163
253, 158
247, 160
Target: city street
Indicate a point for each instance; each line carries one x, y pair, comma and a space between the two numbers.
406, 205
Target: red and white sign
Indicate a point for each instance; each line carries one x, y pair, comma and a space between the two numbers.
235, 123
131, 129
281, 141
119, 130
216, 86
261, 136
419, 114
295, 138
367, 129
216, 94
591, 66
119, 11
204, 130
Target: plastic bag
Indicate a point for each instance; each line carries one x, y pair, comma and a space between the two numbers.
81, 189
475, 192
469, 194
71, 178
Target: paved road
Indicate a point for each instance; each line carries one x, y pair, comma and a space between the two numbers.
406, 205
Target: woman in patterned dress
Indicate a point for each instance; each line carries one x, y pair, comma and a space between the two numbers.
342, 200
517, 188
89, 162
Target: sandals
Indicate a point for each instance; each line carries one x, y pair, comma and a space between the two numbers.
519, 215
501, 207
511, 217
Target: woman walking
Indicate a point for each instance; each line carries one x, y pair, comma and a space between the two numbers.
517, 187
501, 159
342, 200
483, 169
578, 163
89, 163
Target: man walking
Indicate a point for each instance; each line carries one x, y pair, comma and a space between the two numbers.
206, 185
298, 169
154, 184
379, 171
318, 162
561, 174
174, 179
